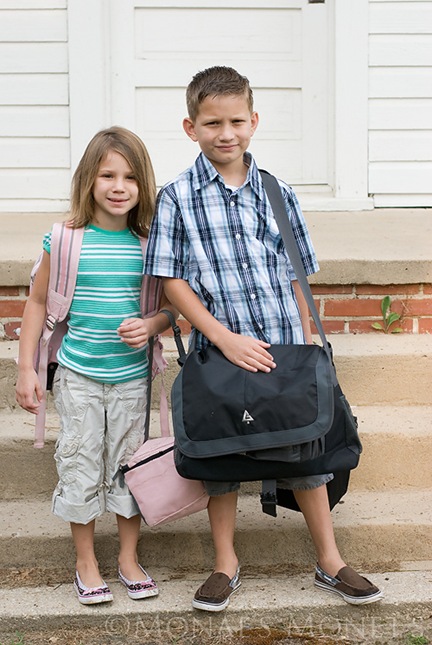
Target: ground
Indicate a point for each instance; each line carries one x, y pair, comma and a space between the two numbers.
178, 633
258, 636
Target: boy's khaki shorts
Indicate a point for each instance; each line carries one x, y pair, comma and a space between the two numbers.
214, 489
101, 426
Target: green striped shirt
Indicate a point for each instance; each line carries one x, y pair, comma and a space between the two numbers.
107, 291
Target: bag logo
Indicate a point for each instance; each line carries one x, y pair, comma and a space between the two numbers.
247, 418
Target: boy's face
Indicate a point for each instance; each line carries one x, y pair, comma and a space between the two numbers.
223, 128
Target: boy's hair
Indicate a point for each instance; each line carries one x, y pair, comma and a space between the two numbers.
130, 146
216, 81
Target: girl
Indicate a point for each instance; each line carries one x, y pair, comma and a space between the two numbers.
100, 385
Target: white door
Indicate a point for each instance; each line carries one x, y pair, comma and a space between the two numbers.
280, 45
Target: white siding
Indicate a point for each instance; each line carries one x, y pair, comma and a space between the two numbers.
34, 106
400, 102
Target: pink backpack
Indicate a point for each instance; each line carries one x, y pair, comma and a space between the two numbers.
64, 259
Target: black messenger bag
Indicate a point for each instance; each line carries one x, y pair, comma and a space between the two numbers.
234, 425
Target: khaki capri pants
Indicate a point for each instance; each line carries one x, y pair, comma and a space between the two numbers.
101, 426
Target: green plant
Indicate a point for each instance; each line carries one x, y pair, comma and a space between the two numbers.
389, 318
416, 640
18, 640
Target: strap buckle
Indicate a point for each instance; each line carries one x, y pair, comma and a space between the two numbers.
269, 497
51, 322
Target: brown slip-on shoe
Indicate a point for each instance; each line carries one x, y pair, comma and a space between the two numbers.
214, 594
354, 588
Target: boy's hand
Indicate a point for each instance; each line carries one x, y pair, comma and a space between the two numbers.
135, 332
247, 352
29, 392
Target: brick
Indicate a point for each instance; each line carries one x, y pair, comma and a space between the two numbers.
11, 308
330, 327
9, 291
418, 307
352, 307
323, 289
388, 290
425, 326
10, 328
427, 289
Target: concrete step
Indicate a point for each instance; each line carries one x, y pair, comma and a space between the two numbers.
278, 606
397, 445
373, 369
375, 531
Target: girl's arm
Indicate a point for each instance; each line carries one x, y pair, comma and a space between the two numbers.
29, 392
244, 351
135, 332
304, 312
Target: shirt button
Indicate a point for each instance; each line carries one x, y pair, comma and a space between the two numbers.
232, 203
253, 296
244, 265
238, 236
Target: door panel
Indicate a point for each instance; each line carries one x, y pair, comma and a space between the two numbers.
281, 46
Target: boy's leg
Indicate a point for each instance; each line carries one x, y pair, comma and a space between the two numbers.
332, 574
214, 594
315, 507
222, 511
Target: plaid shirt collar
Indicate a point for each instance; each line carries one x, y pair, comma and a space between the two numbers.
203, 173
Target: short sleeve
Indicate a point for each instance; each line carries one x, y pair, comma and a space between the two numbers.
301, 233
167, 253
46, 244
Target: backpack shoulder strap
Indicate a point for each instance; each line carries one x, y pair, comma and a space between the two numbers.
151, 290
65, 252
151, 294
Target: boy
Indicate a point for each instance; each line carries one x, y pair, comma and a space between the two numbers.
215, 242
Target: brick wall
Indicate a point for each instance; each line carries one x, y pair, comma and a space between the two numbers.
354, 308
343, 309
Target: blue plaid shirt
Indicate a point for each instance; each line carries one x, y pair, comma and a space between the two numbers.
226, 244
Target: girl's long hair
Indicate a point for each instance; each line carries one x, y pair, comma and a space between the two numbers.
130, 146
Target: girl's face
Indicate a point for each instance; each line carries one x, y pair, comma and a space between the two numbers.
115, 192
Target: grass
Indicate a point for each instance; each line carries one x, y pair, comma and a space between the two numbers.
18, 640
416, 640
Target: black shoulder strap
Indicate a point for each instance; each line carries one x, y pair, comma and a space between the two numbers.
278, 205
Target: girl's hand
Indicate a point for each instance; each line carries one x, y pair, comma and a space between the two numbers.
29, 392
135, 332
247, 352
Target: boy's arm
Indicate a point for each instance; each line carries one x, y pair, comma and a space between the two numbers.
304, 312
29, 392
244, 351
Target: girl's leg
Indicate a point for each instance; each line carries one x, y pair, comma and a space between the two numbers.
86, 563
128, 530
314, 505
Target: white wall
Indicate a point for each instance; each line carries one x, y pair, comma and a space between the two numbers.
34, 113
43, 91
400, 102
